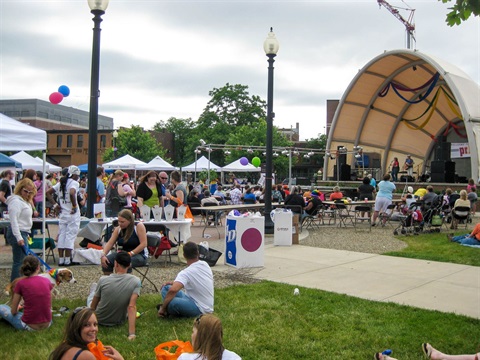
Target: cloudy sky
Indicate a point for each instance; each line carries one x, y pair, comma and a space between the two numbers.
160, 59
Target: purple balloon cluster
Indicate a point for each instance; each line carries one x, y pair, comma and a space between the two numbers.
57, 96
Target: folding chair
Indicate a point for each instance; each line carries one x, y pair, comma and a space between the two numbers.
156, 247
143, 270
362, 219
343, 214
460, 213
386, 216
37, 246
211, 216
313, 220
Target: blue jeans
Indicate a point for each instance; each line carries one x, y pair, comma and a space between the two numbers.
14, 320
181, 304
18, 252
466, 240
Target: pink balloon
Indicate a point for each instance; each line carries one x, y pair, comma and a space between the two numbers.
56, 98
244, 161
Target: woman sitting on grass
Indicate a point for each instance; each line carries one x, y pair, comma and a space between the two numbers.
207, 341
433, 354
36, 294
80, 339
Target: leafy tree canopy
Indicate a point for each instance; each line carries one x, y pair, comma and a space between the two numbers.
182, 130
138, 143
461, 11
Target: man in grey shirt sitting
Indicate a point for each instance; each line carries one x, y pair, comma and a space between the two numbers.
115, 296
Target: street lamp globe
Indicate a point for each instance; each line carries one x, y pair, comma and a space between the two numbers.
115, 134
98, 5
271, 45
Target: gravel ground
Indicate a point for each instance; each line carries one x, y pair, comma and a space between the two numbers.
378, 241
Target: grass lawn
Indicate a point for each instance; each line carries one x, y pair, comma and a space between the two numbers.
265, 321
436, 247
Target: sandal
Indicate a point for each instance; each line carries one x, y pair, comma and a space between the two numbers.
427, 350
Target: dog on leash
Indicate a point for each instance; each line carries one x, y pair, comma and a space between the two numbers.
55, 276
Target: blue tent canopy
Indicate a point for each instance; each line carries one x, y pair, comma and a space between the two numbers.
84, 168
5, 161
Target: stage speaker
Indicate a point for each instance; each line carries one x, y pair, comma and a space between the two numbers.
342, 159
442, 151
407, 178
345, 171
442, 171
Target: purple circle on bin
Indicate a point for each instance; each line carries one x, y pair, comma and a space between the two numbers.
251, 240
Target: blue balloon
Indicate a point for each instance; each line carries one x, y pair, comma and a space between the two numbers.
64, 90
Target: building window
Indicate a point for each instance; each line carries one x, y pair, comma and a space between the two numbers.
69, 141
80, 141
103, 141
59, 141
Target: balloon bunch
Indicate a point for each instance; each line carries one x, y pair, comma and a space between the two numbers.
57, 97
255, 161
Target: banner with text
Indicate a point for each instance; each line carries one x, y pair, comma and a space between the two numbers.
460, 151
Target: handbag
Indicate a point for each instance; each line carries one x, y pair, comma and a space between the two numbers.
171, 350
437, 220
97, 350
181, 258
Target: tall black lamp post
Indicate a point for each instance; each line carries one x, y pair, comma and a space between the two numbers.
271, 48
97, 8
115, 136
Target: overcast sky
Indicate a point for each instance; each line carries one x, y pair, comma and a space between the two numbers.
160, 59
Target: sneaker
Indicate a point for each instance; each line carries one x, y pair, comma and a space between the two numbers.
61, 262
93, 287
158, 306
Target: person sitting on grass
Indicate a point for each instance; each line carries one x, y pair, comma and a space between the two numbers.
80, 339
197, 280
207, 341
467, 239
116, 295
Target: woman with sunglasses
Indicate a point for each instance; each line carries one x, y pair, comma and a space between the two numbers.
20, 211
80, 339
207, 341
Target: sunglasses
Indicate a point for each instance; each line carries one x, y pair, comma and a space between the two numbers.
164, 178
197, 320
77, 310
27, 191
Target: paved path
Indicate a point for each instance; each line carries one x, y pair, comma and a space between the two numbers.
420, 283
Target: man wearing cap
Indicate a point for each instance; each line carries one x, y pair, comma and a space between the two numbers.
69, 219
409, 165
115, 296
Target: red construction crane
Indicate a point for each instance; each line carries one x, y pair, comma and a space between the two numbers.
409, 25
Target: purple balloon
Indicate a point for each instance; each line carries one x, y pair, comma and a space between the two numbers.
244, 161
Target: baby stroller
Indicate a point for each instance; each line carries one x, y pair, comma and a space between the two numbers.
412, 222
433, 216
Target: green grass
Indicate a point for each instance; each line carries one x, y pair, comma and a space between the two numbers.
265, 321
436, 247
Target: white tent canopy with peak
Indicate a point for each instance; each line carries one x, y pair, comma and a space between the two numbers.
29, 162
202, 164
238, 167
126, 162
157, 164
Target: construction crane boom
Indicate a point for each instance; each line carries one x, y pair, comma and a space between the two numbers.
409, 25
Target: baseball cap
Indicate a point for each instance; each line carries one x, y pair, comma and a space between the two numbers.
410, 189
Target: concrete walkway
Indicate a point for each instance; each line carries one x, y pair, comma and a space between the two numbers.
424, 284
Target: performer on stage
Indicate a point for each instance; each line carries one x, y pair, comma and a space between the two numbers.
395, 167
409, 165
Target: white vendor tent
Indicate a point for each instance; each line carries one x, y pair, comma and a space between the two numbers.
17, 136
238, 167
202, 164
157, 164
29, 162
126, 162
51, 168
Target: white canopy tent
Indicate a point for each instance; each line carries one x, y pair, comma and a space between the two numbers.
238, 167
201, 164
126, 162
157, 164
29, 162
51, 167
17, 136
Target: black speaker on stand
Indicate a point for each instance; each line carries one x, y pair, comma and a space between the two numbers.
442, 171
345, 171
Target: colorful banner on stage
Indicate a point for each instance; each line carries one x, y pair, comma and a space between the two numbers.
460, 151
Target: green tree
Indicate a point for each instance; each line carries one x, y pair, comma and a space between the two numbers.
136, 142
461, 11
255, 135
182, 130
232, 105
